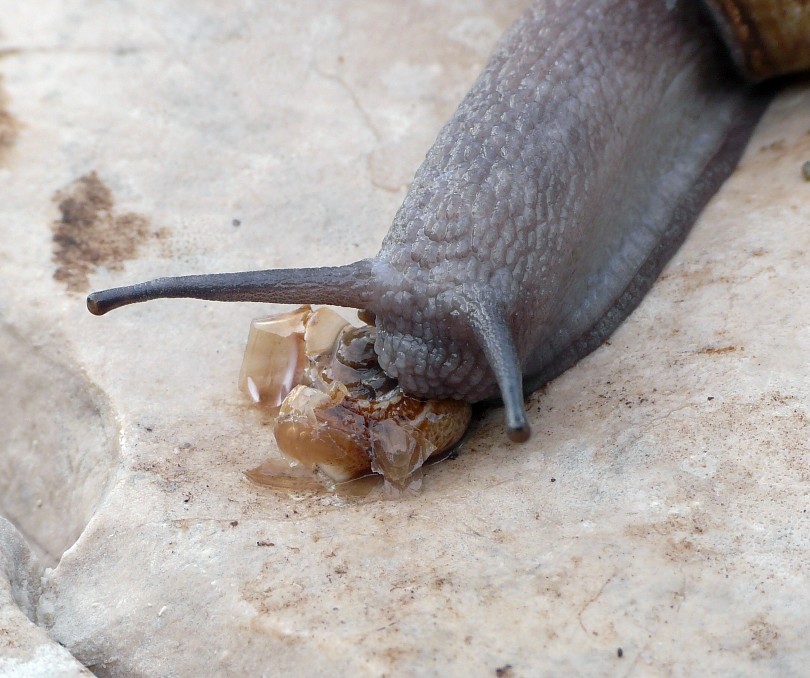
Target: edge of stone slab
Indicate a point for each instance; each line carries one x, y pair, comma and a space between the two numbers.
25, 648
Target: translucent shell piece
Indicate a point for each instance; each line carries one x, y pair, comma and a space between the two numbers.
278, 348
340, 415
315, 430
274, 358
345, 437
767, 38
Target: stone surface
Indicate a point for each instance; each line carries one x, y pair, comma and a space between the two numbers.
25, 648
660, 508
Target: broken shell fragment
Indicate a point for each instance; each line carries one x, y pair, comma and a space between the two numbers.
322, 328
274, 358
320, 433
340, 415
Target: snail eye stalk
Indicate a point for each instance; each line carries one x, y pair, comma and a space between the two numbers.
348, 286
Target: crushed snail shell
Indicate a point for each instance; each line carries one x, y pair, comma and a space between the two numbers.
274, 358
339, 415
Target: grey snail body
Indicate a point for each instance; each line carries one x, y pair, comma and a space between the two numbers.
545, 209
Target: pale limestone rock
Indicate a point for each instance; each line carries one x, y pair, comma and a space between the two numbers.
661, 506
26, 651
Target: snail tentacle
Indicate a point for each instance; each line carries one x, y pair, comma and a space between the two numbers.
349, 286
489, 323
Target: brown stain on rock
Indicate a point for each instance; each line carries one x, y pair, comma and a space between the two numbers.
89, 234
9, 125
717, 350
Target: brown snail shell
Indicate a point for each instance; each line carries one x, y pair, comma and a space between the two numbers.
766, 38
338, 413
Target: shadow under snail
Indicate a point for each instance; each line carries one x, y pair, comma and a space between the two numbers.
552, 199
